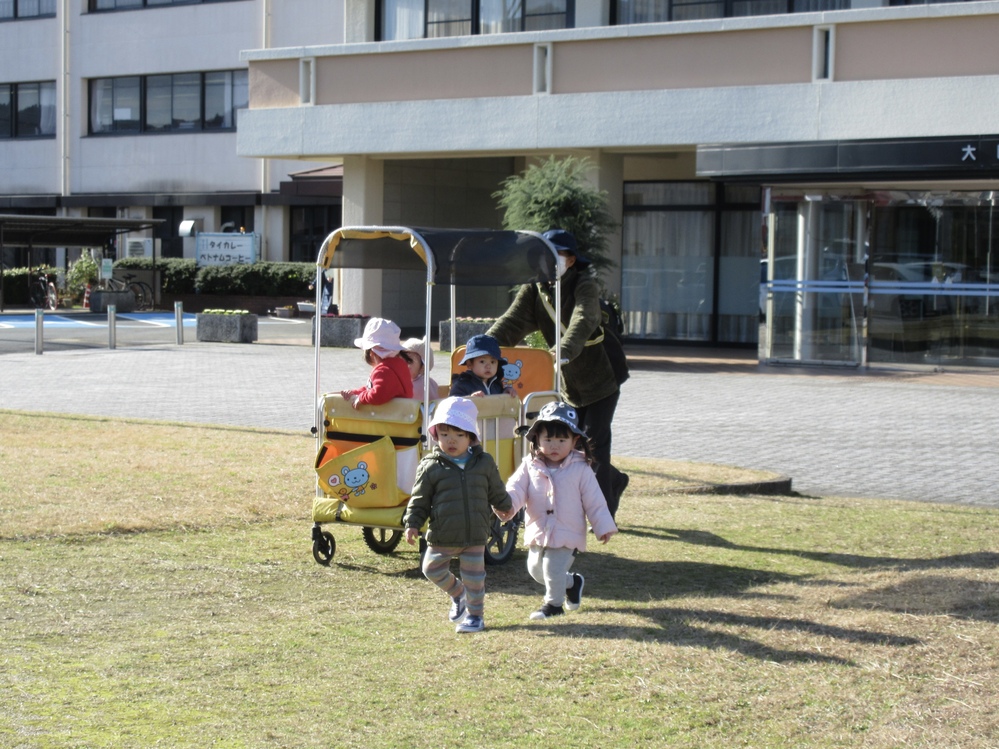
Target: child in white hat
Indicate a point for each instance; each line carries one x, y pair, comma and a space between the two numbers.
457, 487
558, 490
413, 349
389, 376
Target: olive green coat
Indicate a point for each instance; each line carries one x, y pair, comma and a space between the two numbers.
456, 500
588, 376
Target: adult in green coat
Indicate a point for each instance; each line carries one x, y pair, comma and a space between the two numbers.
588, 380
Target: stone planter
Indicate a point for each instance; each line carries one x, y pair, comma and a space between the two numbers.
339, 332
123, 301
227, 328
464, 329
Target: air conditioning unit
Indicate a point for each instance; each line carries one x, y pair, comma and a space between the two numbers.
139, 247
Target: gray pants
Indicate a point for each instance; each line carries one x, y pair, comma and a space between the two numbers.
550, 567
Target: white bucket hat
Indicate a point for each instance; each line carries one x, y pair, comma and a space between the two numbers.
418, 346
381, 336
459, 413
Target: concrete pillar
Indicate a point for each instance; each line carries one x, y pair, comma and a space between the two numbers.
360, 292
608, 176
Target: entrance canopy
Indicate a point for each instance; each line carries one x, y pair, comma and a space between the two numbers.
66, 231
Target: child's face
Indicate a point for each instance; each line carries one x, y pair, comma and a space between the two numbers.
484, 367
415, 364
452, 440
555, 449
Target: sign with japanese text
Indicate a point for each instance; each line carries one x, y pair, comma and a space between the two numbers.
226, 248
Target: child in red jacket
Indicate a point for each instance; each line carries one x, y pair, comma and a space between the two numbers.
390, 377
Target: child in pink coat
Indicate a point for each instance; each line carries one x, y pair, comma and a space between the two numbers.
556, 486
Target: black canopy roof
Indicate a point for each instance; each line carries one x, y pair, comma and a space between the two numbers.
66, 231
461, 257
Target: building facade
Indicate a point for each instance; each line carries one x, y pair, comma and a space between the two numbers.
841, 150
130, 109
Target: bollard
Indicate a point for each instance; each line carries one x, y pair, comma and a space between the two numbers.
178, 313
39, 327
112, 321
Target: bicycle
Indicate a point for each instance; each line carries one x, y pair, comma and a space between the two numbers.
142, 291
43, 292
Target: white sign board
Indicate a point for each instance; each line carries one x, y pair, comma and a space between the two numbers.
107, 268
227, 248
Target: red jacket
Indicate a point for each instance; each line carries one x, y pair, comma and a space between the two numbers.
388, 379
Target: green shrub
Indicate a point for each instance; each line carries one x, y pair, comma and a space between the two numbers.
182, 276
82, 272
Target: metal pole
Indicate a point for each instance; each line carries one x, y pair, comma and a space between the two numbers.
112, 321
178, 315
39, 325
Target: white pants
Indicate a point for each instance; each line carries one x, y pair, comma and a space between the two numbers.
550, 567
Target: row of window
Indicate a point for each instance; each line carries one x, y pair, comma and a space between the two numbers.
178, 102
26, 8
99, 5
424, 19
27, 110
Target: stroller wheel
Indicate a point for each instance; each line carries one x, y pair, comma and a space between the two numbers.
381, 540
323, 548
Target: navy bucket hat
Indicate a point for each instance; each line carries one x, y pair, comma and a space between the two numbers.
482, 345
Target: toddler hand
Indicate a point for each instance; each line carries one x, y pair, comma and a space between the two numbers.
605, 538
411, 535
505, 516
477, 394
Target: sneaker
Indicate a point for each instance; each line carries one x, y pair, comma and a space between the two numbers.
457, 608
574, 594
547, 611
471, 623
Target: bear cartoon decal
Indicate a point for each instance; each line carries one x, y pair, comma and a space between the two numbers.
356, 478
511, 373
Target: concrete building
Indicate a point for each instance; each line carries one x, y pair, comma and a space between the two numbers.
844, 151
129, 109
846, 144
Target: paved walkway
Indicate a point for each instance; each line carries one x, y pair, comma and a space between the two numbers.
894, 434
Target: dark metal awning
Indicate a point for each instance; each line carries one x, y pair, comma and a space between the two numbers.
66, 231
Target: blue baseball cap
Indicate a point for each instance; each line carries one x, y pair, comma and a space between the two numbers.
482, 345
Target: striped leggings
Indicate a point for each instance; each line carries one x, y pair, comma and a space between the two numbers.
471, 562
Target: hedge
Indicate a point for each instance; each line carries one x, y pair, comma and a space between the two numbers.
182, 276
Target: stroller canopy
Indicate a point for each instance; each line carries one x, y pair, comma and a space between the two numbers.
459, 257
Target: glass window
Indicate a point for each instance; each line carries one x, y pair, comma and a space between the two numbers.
449, 18
310, 225
27, 8
172, 102
6, 121
416, 19
115, 105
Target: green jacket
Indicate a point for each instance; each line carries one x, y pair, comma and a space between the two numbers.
588, 376
457, 501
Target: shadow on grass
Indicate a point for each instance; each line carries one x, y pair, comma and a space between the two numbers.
692, 628
977, 560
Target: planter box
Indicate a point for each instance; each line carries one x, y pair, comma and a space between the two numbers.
123, 301
227, 328
338, 332
464, 330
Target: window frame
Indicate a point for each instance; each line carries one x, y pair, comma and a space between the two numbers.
14, 121
117, 6
236, 81
17, 14
474, 20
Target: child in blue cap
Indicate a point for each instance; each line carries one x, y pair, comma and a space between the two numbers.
484, 375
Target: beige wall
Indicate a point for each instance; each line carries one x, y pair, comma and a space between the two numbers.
689, 61
925, 48
274, 84
435, 74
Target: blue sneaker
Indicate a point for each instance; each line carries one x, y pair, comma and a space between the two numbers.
457, 608
471, 623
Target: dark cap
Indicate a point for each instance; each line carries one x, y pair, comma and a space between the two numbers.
565, 242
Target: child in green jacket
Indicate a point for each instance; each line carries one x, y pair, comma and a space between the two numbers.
457, 485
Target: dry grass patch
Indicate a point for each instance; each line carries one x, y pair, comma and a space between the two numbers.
710, 621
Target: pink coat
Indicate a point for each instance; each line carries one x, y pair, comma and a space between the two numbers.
558, 506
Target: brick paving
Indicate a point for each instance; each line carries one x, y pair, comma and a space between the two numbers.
906, 434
